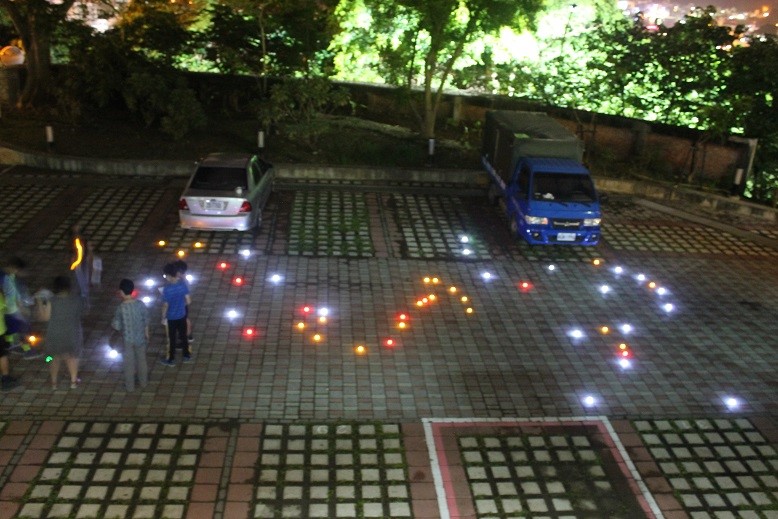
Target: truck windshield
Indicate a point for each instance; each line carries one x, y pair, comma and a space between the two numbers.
563, 187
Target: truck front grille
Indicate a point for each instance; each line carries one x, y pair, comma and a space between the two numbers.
566, 224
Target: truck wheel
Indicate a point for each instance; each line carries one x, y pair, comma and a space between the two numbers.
514, 226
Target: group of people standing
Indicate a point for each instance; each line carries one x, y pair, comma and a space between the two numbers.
64, 338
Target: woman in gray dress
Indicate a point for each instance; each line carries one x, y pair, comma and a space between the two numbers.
64, 336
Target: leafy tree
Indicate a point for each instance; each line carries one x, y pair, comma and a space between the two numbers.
419, 42
753, 82
270, 37
297, 105
35, 22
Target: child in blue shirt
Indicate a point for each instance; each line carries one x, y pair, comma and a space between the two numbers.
175, 297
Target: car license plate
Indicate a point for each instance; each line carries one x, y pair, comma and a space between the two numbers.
214, 205
565, 236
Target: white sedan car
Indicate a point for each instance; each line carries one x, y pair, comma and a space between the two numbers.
226, 192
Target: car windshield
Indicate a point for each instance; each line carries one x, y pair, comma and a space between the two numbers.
219, 178
563, 187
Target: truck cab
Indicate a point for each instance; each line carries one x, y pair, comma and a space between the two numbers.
536, 171
553, 201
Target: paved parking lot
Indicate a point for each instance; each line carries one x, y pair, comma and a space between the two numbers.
244, 430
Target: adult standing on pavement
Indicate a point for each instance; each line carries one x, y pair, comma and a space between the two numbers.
80, 262
64, 334
175, 297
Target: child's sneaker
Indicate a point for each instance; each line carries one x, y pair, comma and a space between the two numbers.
187, 359
167, 362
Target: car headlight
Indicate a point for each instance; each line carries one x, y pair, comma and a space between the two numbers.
591, 222
536, 220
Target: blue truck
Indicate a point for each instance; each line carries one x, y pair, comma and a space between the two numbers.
534, 164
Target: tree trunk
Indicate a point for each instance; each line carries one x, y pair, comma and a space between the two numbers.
37, 87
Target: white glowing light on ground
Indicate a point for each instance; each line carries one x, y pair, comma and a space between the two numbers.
551, 267
668, 307
232, 314
323, 311
661, 291
589, 401
626, 328
731, 402
190, 278
276, 278
112, 353
618, 270
640, 277
625, 363
146, 300
604, 289
245, 253
149, 282
464, 239
466, 252
576, 333
486, 276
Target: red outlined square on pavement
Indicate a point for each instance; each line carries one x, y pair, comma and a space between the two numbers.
544, 466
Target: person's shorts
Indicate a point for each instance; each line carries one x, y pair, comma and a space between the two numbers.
3, 347
14, 324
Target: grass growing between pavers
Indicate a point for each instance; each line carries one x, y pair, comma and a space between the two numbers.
330, 223
116, 470
555, 474
331, 470
715, 465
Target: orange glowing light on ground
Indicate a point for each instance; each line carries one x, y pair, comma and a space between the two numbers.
238, 281
424, 300
198, 245
469, 310
301, 325
453, 290
402, 325
419, 303
403, 317
435, 281
426, 280
161, 243
432, 297
32, 339
323, 320
604, 330
652, 285
317, 337
622, 346
597, 262
181, 253
464, 299
223, 265
360, 349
